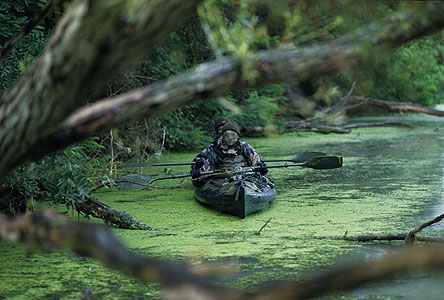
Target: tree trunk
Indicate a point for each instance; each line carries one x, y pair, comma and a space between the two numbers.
93, 43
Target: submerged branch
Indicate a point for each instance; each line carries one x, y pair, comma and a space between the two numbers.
409, 237
97, 209
390, 237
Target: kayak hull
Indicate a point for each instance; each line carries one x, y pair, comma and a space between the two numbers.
240, 198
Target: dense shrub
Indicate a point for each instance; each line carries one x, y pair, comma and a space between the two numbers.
65, 177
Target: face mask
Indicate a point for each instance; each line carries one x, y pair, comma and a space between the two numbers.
230, 137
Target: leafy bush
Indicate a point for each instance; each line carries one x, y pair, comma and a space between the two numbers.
14, 14
65, 177
414, 73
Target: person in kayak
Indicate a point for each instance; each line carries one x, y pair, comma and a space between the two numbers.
227, 152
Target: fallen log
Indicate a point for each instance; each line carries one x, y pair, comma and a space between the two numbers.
409, 237
390, 237
320, 128
93, 207
350, 103
376, 124
295, 125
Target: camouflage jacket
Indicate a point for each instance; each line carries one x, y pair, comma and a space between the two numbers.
214, 154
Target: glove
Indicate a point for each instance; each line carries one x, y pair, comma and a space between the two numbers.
199, 162
195, 173
263, 170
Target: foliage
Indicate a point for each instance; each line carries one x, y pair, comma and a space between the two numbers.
65, 177
414, 73
14, 14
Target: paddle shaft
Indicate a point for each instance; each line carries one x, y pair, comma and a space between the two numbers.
321, 162
299, 158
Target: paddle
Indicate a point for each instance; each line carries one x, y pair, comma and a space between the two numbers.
320, 162
299, 158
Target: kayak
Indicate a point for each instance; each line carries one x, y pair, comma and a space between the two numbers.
239, 196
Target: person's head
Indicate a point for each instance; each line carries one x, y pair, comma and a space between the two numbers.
230, 133
219, 123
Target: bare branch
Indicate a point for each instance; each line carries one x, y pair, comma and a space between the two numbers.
410, 238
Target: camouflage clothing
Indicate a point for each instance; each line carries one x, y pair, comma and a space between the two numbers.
216, 153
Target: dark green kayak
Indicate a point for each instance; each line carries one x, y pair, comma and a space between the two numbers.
239, 197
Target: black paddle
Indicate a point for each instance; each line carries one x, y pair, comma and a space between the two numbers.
299, 158
319, 162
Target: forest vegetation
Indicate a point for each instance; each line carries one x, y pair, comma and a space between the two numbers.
95, 84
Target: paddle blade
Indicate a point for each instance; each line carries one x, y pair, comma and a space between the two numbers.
324, 162
299, 158
305, 156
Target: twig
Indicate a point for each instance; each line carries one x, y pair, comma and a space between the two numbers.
112, 152
410, 238
263, 226
351, 89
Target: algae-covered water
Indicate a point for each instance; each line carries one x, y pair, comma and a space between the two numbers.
392, 181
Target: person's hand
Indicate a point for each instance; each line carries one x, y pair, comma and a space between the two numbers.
199, 162
195, 173
263, 168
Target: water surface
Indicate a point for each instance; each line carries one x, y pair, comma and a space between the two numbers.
391, 181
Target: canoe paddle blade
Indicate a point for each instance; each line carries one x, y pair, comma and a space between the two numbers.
324, 162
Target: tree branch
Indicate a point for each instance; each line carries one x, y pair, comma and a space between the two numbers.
215, 78
411, 236
94, 42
